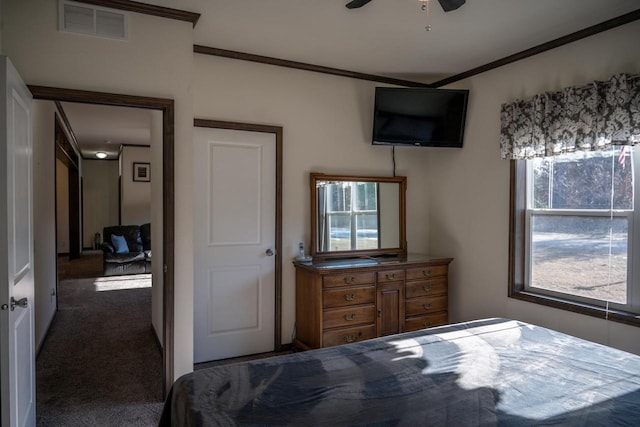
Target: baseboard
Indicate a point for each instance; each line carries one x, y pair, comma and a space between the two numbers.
285, 347
45, 335
282, 348
157, 338
63, 254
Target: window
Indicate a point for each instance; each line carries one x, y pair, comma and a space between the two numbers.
352, 215
572, 232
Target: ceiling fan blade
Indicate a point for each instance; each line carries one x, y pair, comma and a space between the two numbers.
354, 4
449, 5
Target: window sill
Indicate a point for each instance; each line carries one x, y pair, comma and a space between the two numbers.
575, 307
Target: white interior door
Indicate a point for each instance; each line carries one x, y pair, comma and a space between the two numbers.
234, 257
17, 354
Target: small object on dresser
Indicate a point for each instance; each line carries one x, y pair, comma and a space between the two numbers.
301, 255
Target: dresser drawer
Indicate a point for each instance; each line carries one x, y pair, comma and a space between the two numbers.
427, 272
423, 322
342, 317
424, 288
348, 279
353, 295
390, 276
420, 306
348, 335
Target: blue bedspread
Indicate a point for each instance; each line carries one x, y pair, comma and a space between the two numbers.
486, 372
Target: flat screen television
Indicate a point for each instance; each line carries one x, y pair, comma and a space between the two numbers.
421, 117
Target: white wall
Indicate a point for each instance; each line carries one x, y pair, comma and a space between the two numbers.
156, 61
470, 187
62, 206
136, 195
43, 218
100, 197
327, 123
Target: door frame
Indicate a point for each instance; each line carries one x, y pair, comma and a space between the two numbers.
277, 131
166, 106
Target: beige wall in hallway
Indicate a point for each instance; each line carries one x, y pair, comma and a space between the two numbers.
99, 198
62, 206
135, 202
44, 221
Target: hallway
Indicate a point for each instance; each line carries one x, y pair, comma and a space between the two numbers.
100, 363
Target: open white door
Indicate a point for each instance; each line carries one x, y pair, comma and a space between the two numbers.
17, 348
234, 242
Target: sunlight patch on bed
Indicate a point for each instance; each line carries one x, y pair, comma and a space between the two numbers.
475, 362
408, 349
119, 283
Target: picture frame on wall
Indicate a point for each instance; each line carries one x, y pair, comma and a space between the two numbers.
141, 172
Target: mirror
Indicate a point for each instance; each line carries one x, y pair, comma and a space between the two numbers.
357, 215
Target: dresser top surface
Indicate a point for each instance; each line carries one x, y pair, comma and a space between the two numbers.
376, 262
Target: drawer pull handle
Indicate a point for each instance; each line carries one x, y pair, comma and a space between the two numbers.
428, 324
391, 276
427, 306
352, 338
351, 316
427, 273
349, 280
427, 288
350, 297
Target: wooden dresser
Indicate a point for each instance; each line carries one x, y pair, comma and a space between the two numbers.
339, 302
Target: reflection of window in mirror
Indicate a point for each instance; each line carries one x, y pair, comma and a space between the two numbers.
349, 216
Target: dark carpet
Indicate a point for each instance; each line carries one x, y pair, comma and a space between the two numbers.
100, 364
88, 265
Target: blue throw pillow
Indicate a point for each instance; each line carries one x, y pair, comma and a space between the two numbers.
120, 244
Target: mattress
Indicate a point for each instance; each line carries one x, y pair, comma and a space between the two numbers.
485, 372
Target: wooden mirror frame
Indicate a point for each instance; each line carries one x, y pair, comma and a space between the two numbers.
400, 251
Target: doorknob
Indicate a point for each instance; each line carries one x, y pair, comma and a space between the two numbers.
270, 252
20, 303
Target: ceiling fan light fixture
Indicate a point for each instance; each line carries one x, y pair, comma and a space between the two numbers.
447, 6
101, 155
355, 4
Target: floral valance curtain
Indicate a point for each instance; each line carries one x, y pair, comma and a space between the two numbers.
591, 117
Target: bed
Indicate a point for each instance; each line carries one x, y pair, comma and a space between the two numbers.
485, 372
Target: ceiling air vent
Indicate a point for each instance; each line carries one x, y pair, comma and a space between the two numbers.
92, 20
